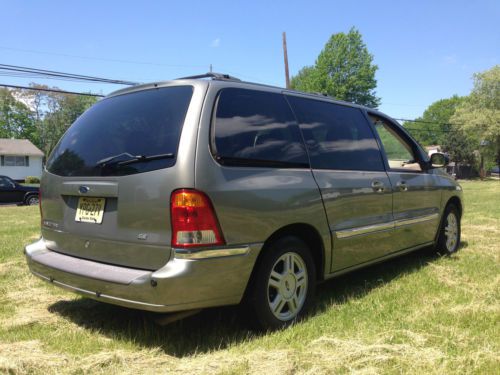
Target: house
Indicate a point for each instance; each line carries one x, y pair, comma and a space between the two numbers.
20, 158
432, 149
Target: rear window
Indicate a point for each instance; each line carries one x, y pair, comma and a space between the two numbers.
255, 128
337, 136
105, 140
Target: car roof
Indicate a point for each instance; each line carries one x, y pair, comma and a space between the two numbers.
223, 80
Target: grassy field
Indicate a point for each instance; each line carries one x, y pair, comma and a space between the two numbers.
413, 315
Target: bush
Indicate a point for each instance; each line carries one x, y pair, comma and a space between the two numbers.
32, 180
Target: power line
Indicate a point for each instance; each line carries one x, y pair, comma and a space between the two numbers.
428, 122
431, 130
50, 90
102, 59
52, 73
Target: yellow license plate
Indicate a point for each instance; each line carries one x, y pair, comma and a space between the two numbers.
90, 210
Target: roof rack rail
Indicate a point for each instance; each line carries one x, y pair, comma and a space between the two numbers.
220, 76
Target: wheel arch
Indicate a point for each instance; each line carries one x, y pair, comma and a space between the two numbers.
28, 195
456, 202
306, 233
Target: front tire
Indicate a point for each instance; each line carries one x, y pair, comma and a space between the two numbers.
32, 200
284, 284
449, 232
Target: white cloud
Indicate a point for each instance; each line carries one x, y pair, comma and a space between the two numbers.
215, 43
450, 60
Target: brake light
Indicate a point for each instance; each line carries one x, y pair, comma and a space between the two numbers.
193, 218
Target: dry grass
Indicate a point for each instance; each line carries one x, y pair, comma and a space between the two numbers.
414, 315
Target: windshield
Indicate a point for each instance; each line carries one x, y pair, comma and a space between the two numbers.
145, 123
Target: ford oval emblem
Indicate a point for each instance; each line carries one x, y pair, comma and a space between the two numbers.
83, 189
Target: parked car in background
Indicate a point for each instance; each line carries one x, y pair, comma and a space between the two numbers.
495, 171
12, 192
193, 193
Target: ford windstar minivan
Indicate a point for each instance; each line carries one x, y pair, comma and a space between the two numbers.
208, 191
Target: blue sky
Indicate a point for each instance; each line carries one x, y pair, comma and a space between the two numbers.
425, 50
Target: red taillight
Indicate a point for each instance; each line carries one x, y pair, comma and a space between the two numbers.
194, 222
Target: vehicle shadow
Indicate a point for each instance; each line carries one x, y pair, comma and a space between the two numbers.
219, 328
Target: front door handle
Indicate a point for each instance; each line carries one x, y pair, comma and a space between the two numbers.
402, 186
378, 186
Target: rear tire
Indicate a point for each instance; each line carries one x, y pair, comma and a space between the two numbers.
449, 231
283, 285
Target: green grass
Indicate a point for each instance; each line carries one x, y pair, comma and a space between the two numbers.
415, 314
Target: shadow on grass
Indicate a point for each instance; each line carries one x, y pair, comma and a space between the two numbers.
219, 328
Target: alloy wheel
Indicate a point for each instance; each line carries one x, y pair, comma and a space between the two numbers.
287, 286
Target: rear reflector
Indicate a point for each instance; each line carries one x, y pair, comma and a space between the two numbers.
194, 222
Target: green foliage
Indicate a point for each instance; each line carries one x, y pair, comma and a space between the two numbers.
44, 120
344, 70
435, 125
458, 146
16, 119
32, 180
65, 109
392, 147
479, 115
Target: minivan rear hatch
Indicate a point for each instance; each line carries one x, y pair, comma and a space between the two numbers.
106, 189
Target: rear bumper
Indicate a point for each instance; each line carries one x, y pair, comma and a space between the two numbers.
182, 284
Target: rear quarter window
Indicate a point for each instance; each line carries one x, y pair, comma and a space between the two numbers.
256, 128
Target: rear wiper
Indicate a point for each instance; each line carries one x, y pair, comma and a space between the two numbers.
105, 161
141, 158
113, 160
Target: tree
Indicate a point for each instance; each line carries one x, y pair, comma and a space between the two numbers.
53, 113
435, 126
16, 119
479, 115
344, 70
64, 109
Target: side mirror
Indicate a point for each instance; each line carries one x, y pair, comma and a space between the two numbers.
439, 160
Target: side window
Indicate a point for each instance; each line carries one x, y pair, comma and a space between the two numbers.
258, 129
337, 137
399, 153
4, 183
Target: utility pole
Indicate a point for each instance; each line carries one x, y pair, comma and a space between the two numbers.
285, 55
210, 68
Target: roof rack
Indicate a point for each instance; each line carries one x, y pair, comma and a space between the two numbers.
225, 77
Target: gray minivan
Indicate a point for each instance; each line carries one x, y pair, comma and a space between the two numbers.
208, 191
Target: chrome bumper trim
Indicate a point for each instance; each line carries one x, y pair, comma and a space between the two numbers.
368, 229
210, 253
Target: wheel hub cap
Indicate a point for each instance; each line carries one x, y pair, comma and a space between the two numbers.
287, 286
451, 232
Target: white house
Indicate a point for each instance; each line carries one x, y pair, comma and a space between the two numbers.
20, 158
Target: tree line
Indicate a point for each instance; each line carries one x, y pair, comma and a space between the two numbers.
464, 126
42, 117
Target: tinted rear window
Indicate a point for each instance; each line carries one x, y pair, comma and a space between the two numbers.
141, 123
337, 136
256, 128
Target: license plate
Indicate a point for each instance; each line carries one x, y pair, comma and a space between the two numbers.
90, 210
